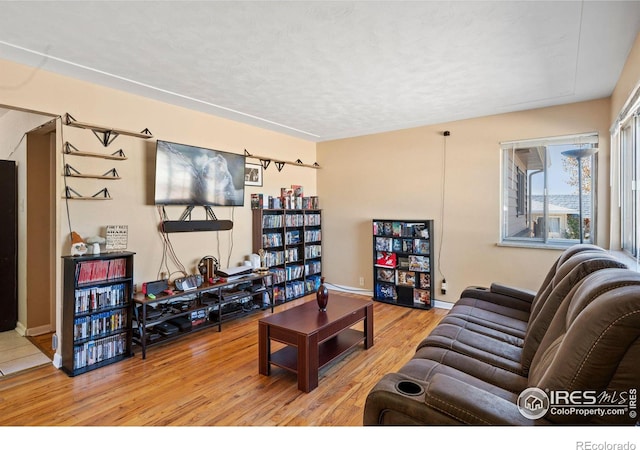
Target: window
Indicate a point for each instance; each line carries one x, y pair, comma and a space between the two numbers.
547, 190
628, 134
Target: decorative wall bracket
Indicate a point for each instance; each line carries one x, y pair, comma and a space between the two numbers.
72, 194
106, 135
265, 161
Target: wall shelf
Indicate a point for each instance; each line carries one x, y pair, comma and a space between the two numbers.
70, 149
106, 135
110, 175
72, 194
266, 160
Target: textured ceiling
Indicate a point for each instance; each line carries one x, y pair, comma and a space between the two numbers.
327, 70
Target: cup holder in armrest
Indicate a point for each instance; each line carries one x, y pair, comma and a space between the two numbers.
409, 388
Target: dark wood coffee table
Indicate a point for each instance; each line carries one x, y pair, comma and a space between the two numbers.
313, 338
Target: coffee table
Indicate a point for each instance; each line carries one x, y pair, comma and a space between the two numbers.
313, 338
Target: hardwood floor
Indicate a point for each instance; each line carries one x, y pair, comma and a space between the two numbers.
43, 342
211, 378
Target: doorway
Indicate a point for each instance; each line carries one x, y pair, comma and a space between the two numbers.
40, 228
29, 138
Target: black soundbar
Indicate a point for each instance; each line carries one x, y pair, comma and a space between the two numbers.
181, 226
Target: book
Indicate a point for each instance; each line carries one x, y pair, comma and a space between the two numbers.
405, 278
419, 263
387, 229
386, 259
387, 275
419, 230
257, 201
421, 246
396, 228
298, 191
384, 244
424, 280
386, 292
421, 297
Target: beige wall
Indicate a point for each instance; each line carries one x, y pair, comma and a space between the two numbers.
40, 225
399, 175
39, 90
628, 80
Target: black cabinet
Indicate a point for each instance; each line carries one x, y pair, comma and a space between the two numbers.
402, 262
96, 311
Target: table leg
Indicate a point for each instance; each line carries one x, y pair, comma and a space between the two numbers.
308, 361
143, 331
264, 349
368, 327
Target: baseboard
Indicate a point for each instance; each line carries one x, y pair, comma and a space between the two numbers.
360, 291
57, 360
21, 329
37, 331
442, 304
350, 290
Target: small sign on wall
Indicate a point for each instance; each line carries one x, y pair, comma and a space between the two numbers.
117, 236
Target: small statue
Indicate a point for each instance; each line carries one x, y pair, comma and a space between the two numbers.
78, 247
263, 266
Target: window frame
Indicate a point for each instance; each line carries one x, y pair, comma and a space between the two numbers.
507, 164
629, 172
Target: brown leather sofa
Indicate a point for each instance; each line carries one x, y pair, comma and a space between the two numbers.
567, 354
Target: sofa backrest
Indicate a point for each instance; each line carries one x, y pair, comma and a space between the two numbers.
593, 343
546, 286
568, 273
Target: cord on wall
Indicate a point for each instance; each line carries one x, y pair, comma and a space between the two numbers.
446, 134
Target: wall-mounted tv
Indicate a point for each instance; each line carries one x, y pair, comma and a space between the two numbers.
196, 176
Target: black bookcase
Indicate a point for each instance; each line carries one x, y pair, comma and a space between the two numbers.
97, 311
403, 262
292, 243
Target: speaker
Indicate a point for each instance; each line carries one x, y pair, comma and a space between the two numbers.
181, 226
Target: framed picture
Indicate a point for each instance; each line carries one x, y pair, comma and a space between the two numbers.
252, 174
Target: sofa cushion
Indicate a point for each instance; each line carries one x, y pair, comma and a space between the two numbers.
569, 273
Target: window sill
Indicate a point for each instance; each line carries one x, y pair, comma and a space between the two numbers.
535, 245
632, 263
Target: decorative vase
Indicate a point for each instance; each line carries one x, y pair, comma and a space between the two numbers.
322, 295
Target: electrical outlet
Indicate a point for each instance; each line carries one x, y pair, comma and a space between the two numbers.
361, 281
54, 342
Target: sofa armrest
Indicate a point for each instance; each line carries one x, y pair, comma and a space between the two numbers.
471, 405
441, 401
526, 295
388, 404
499, 294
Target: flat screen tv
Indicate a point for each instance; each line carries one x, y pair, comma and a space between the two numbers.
196, 176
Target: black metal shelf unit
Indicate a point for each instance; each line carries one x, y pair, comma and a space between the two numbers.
403, 262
